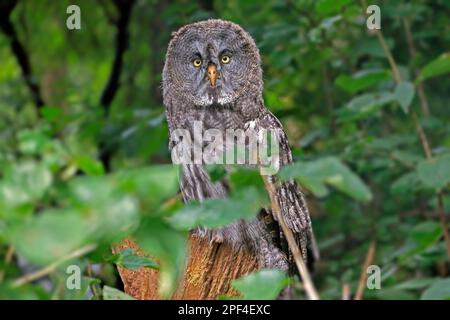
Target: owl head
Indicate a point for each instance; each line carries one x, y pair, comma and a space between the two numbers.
212, 62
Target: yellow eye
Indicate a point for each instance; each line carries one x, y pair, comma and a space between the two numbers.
197, 62
225, 59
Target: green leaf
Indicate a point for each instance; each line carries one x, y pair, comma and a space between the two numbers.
213, 213
128, 259
439, 290
265, 284
362, 80
243, 178
51, 113
23, 183
435, 173
81, 293
366, 102
110, 293
408, 159
426, 233
161, 241
216, 172
89, 166
365, 105
421, 238
110, 212
50, 236
437, 67
404, 93
161, 181
391, 142
390, 294
32, 141
413, 284
24, 292
407, 183
328, 7
330, 171
316, 186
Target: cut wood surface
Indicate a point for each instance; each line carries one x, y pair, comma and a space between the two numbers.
209, 272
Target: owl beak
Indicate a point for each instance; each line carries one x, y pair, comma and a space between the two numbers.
212, 74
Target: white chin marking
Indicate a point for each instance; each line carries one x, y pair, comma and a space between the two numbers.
206, 101
222, 100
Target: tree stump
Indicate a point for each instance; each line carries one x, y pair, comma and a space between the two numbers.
208, 274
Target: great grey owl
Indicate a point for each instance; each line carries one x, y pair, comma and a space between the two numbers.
213, 74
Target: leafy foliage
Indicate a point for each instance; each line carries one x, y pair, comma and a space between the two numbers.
264, 284
435, 173
76, 172
128, 259
439, 290
315, 175
437, 67
114, 294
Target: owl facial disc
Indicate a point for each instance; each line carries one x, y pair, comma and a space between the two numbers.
212, 63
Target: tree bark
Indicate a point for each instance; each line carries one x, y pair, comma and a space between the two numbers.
19, 51
209, 272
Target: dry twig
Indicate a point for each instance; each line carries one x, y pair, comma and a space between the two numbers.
51, 267
363, 277
346, 291
306, 277
424, 105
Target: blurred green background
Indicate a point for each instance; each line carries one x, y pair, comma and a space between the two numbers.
84, 157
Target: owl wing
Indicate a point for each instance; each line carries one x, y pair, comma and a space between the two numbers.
291, 199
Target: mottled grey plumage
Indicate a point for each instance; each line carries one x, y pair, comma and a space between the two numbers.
235, 102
